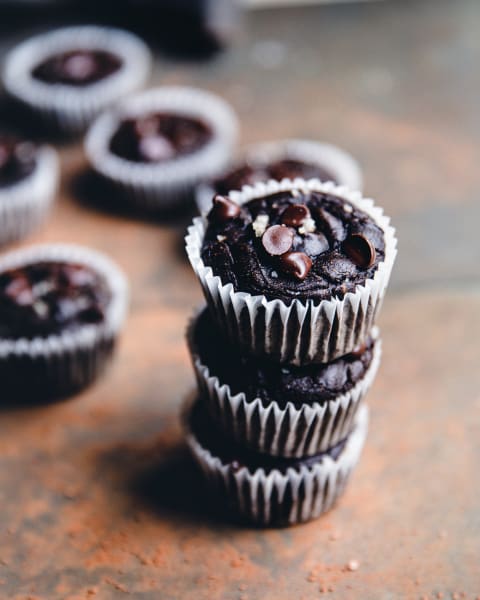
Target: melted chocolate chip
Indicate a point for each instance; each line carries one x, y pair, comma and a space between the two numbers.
331, 225
278, 239
296, 264
360, 250
224, 209
48, 297
295, 214
77, 67
159, 137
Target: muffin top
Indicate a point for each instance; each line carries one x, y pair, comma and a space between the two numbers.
238, 456
296, 244
273, 382
18, 159
159, 137
77, 67
47, 298
251, 173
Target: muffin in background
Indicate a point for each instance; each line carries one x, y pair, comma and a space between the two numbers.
28, 182
61, 310
156, 146
66, 77
283, 159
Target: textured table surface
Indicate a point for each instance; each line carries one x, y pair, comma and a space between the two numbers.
97, 495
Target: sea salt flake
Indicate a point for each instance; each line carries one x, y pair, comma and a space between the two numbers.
308, 226
260, 225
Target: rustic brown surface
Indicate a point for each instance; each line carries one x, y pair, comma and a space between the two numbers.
98, 497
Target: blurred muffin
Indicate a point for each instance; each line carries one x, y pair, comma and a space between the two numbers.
156, 146
28, 182
61, 310
68, 76
283, 159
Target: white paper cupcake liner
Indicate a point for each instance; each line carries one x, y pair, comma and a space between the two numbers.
287, 431
342, 166
274, 498
170, 183
72, 108
62, 363
302, 332
25, 205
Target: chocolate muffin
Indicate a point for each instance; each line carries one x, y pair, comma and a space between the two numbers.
293, 270
279, 409
50, 298
273, 491
283, 159
159, 137
65, 78
28, 181
296, 244
285, 168
61, 309
155, 147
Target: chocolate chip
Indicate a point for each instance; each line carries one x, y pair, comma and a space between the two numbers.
155, 148
295, 214
329, 224
360, 250
296, 264
277, 239
224, 209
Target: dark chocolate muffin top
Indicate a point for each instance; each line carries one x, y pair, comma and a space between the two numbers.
18, 159
250, 174
77, 67
238, 456
47, 298
159, 137
272, 382
303, 245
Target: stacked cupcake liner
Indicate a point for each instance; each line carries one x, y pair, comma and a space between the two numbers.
298, 334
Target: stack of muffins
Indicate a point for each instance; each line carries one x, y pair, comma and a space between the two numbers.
294, 273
